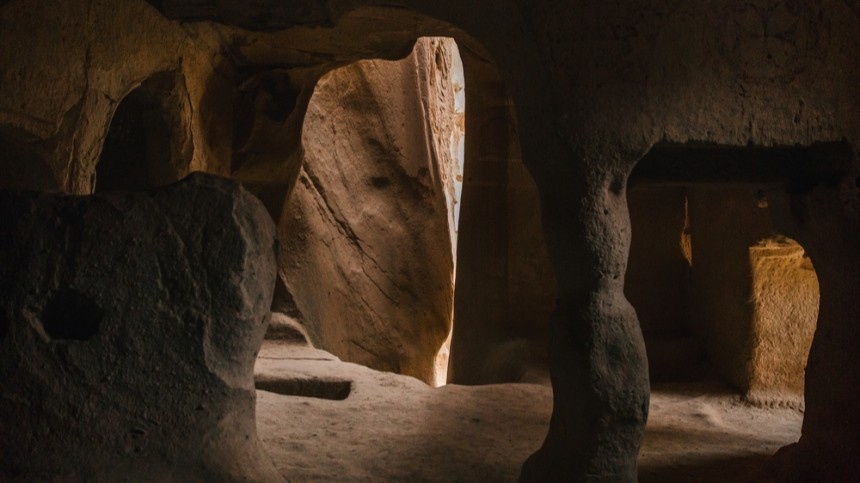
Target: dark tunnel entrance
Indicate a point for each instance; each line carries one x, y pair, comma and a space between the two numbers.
144, 146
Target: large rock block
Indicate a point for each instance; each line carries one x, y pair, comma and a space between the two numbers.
129, 328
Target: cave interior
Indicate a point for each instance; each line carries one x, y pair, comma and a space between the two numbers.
417, 240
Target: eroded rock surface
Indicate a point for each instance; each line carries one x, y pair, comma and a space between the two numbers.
593, 86
366, 236
826, 220
131, 323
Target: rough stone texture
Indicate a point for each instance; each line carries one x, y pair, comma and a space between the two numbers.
410, 432
593, 85
785, 297
707, 264
66, 68
407, 430
366, 235
505, 286
825, 219
131, 323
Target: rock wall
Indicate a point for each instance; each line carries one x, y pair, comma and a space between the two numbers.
785, 298
590, 87
130, 328
81, 60
367, 234
658, 280
825, 220
505, 285
725, 222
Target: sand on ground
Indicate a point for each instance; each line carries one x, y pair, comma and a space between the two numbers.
396, 428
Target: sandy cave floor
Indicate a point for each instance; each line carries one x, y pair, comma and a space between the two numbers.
396, 428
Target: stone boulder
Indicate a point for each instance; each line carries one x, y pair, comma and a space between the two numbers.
129, 328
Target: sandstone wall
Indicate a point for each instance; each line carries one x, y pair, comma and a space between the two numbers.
64, 70
367, 234
595, 85
785, 298
725, 222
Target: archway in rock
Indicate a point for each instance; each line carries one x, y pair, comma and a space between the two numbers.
360, 168
722, 294
380, 185
366, 247
146, 144
718, 290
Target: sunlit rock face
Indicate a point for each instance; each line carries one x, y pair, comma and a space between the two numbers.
367, 233
785, 312
130, 327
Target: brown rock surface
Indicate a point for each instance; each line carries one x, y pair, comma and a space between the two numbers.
131, 323
366, 250
506, 288
592, 87
825, 219
785, 313
408, 431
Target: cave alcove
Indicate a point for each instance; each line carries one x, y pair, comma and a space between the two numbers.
727, 298
146, 143
719, 289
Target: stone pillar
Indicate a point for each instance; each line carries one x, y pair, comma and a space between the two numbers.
785, 309
826, 221
597, 355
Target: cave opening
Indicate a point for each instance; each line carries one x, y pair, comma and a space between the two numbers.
142, 147
718, 290
380, 182
372, 239
727, 302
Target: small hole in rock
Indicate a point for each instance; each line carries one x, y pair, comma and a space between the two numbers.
71, 315
380, 181
857, 181
617, 186
335, 390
